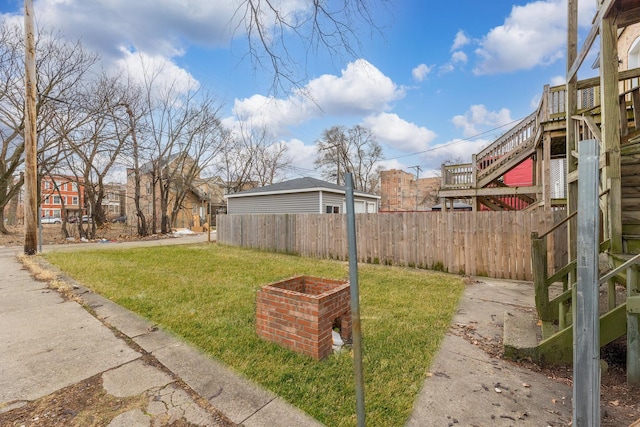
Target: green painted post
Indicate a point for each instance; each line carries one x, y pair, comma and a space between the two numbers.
539, 261
633, 341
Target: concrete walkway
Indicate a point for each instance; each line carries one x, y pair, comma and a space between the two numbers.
468, 387
49, 343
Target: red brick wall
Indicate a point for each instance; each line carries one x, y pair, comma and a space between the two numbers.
299, 313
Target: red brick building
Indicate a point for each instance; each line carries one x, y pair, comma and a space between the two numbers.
61, 197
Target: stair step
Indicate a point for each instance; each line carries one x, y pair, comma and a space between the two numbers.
630, 230
520, 334
631, 243
630, 203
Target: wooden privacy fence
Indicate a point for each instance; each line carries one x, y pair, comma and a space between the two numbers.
493, 244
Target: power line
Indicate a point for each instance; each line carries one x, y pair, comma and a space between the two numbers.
457, 141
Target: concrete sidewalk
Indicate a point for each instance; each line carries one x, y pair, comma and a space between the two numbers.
50, 344
468, 387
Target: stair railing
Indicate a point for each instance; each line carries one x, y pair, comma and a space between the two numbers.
558, 308
503, 148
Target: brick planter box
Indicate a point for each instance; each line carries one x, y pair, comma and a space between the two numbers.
299, 313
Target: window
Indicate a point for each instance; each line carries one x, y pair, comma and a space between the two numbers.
56, 200
332, 209
74, 200
634, 54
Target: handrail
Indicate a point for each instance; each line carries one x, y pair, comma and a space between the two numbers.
623, 266
571, 215
509, 141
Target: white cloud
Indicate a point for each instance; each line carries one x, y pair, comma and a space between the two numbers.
478, 118
457, 150
446, 68
157, 27
460, 40
458, 57
302, 157
535, 101
164, 73
398, 133
421, 72
532, 35
558, 80
360, 89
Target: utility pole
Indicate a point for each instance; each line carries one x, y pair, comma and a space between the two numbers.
418, 169
30, 136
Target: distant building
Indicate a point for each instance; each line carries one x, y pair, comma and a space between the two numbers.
401, 191
61, 196
301, 195
198, 197
114, 203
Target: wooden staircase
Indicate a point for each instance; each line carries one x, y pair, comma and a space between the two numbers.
489, 166
555, 292
630, 180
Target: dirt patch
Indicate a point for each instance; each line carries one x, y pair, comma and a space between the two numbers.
85, 404
82, 404
53, 234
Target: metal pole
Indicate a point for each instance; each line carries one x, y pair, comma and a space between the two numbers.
209, 222
30, 137
40, 230
355, 301
586, 329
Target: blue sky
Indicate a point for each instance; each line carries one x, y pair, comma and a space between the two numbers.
440, 81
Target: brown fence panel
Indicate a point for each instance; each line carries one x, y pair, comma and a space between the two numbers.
495, 244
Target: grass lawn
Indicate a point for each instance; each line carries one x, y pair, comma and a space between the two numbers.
206, 295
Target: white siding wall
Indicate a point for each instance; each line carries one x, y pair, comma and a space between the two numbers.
332, 199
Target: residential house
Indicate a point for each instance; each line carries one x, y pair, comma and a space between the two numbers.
202, 195
61, 196
114, 203
301, 195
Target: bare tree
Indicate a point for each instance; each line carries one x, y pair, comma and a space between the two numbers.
61, 65
182, 136
270, 159
204, 139
331, 153
324, 24
234, 166
252, 159
353, 150
130, 128
97, 144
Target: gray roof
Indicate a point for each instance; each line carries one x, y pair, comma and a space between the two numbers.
298, 185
